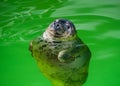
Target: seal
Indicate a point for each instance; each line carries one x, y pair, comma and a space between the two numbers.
61, 55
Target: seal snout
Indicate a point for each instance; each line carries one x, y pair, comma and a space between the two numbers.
61, 28
59, 24
58, 27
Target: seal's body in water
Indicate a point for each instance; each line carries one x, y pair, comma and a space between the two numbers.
61, 55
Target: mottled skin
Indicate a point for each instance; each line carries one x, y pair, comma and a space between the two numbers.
61, 56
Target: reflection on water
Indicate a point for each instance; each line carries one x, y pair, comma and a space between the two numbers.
22, 19
97, 24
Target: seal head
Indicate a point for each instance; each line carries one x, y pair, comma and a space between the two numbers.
60, 29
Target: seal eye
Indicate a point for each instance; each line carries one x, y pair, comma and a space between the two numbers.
57, 26
68, 26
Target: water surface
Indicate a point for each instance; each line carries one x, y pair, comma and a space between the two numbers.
97, 24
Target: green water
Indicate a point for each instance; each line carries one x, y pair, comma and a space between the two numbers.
97, 23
